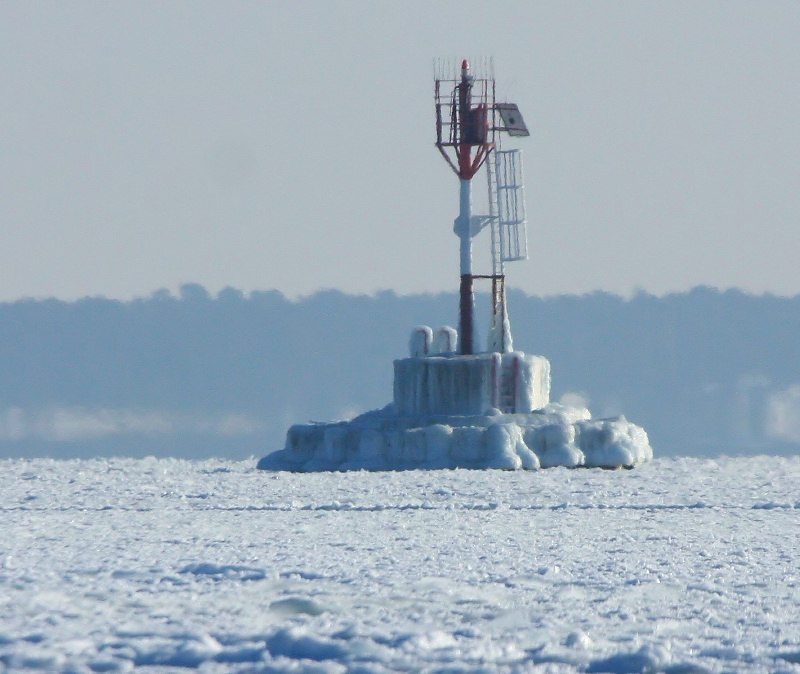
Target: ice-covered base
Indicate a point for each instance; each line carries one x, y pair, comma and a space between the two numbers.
381, 440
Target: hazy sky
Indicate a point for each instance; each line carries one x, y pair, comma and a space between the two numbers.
289, 145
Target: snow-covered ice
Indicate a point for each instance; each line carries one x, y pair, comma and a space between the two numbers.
683, 565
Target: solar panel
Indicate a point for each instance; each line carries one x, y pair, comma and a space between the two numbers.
512, 119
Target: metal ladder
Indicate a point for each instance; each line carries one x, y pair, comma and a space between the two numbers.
510, 196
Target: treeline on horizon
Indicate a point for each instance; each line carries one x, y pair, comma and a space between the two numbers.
189, 292
699, 370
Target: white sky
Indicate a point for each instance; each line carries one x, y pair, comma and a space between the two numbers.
289, 145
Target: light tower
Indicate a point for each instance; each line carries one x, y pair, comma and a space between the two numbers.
468, 408
467, 122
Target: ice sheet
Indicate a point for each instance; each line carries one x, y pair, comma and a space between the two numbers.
683, 565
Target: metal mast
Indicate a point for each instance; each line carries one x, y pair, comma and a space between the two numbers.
466, 127
465, 133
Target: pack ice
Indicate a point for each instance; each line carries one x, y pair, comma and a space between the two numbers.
485, 410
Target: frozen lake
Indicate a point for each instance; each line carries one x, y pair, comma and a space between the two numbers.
681, 565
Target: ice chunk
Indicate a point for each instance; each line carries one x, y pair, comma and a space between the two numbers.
554, 444
438, 437
467, 448
610, 443
501, 447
